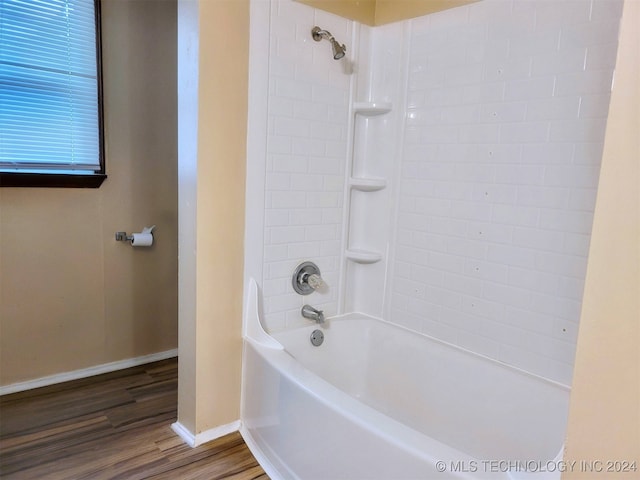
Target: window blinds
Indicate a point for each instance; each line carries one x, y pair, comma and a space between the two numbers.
48, 86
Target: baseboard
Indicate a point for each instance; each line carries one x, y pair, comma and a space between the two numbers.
188, 437
206, 436
87, 372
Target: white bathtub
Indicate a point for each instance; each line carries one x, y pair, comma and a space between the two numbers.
375, 401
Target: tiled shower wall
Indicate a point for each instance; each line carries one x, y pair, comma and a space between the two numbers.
505, 119
308, 97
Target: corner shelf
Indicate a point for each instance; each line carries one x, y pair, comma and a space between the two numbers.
363, 256
367, 184
371, 109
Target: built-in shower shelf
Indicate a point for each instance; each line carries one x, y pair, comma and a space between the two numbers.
368, 184
371, 109
363, 256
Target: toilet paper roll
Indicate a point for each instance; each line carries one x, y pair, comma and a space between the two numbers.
142, 239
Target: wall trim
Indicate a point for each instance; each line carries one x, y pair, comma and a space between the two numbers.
206, 436
87, 372
184, 433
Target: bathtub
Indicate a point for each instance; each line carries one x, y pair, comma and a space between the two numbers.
376, 401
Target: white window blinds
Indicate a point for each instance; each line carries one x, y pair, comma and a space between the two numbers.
49, 110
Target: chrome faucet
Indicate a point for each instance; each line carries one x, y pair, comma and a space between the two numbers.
312, 314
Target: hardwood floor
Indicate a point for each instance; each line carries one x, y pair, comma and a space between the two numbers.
112, 426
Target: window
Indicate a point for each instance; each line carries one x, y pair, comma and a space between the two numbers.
50, 94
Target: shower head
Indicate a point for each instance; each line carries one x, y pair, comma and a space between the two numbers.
338, 50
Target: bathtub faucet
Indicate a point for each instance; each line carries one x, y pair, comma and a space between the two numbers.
312, 314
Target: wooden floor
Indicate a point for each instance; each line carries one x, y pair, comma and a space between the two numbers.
113, 426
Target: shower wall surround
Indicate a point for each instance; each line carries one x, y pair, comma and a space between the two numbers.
505, 119
308, 123
492, 154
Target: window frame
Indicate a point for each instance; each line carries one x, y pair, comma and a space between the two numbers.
62, 180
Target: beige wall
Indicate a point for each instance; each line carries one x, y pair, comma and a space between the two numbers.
604, 417
388, 11
379, 12
213, 80
71, 297
361, 10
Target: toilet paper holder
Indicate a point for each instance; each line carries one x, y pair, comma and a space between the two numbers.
123, 237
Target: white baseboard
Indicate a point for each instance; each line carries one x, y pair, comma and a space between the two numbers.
206, 436
188, 437
87, 372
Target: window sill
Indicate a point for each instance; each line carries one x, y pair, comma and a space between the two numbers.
53, 180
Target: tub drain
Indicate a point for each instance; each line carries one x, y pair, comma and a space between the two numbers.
317, 337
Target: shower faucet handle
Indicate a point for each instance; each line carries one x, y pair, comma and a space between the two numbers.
306, 278
315, 281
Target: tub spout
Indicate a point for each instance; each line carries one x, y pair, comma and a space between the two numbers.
312, 314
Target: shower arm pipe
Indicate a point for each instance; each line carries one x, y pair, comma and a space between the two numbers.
318, 34
338, 50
